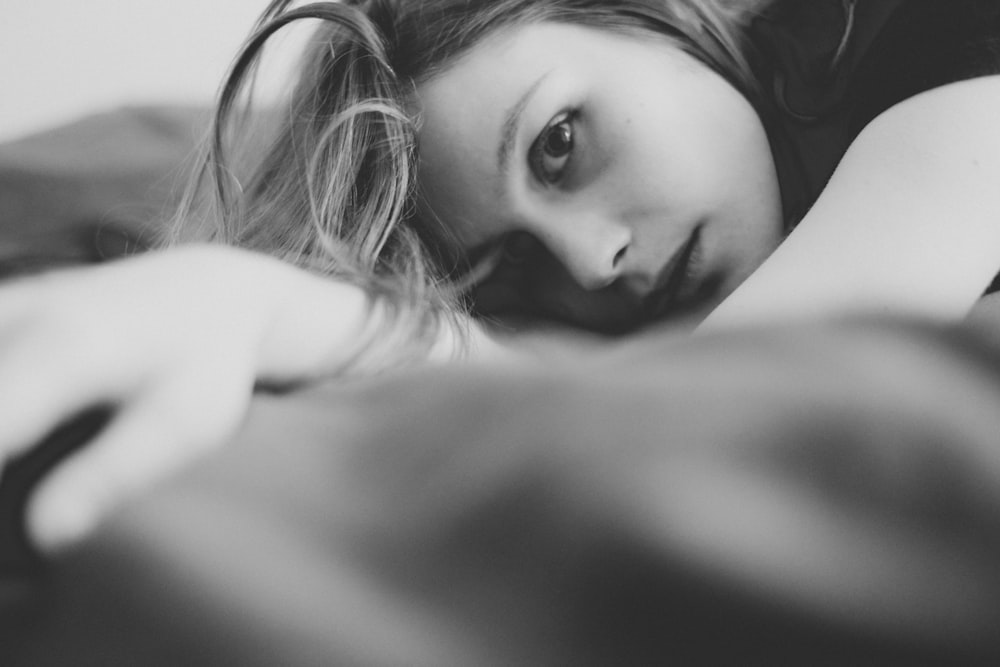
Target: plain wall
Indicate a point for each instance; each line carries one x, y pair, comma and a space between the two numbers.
60, 59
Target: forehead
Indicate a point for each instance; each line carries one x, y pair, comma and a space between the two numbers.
461, 112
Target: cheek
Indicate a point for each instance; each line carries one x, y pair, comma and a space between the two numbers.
739, 166
678, 146
642, 158
756, 182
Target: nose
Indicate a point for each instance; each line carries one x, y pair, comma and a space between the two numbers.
592, 249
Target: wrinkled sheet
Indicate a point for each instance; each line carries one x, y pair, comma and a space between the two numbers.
822, 495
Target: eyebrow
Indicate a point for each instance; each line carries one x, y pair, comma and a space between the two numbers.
511, 123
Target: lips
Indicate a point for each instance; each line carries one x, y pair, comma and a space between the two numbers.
676, 278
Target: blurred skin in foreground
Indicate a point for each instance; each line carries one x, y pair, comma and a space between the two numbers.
807, 494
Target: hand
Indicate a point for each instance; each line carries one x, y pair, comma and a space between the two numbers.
174, 341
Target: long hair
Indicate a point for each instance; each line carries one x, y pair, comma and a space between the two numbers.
334, 190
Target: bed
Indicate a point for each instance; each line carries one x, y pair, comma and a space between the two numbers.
816, 494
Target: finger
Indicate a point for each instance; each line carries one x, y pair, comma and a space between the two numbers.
40, 391
150, 439
21, 474
17, 297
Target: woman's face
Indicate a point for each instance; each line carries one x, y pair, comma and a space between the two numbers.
642, 171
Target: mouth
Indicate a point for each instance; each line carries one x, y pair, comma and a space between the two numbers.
677, 283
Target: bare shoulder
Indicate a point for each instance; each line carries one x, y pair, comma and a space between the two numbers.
963, 110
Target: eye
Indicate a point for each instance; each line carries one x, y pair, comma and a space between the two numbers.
551, 151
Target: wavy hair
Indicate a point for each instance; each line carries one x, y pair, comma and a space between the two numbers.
334, 189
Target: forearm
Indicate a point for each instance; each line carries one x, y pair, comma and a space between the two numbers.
319, 327
173, 342
909, 223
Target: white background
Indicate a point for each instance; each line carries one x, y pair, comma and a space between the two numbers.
60, 59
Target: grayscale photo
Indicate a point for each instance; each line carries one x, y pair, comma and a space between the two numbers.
500, 332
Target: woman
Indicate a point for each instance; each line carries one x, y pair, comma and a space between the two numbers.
604, 163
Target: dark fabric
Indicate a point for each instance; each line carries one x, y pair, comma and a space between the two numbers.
831, 66
779, 497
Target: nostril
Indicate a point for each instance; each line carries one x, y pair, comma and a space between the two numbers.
619, 256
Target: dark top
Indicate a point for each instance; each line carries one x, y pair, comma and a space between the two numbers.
830, 66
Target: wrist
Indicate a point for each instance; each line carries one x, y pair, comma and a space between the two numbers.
311, 326
293, 325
